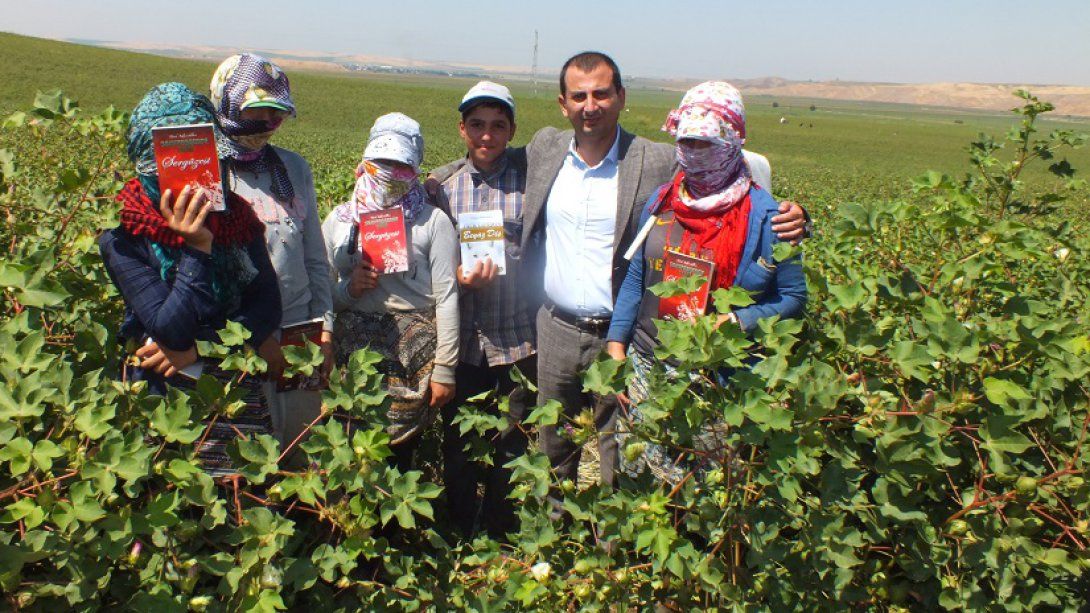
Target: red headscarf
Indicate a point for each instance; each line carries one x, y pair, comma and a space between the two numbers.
718, 235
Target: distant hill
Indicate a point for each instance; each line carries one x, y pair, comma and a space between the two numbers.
1069, 100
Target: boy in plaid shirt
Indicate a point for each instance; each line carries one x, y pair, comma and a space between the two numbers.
497, 316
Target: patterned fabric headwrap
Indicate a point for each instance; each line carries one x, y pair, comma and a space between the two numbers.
173, 104
716, 176
379, 183
251, 81
168, 104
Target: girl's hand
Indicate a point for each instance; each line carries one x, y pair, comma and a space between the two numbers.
616, 350
441, 393
327, 355
482, 274
273, 354
163, 361
364, 277
185, 215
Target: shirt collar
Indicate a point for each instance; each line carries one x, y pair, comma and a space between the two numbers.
501, 167
612, 156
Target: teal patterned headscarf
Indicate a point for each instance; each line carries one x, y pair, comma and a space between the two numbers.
174, 104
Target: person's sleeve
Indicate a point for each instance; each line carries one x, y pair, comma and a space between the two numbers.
759, 169
314, 256
338, 283
629, 296
260, 311
442, 257
787, 297
170, 314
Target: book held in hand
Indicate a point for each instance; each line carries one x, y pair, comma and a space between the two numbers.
186, 155
481, 235
384, 241
296, 335
685, 306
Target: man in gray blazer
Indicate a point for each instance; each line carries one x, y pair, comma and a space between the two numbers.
585, 189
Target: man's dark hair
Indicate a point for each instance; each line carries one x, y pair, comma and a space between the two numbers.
490, 103
586, 62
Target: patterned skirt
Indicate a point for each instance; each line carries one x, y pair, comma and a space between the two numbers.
253, 419
406, 341
668, 465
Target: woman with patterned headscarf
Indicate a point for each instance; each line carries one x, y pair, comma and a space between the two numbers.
714, 213
410, 317
183, 270
252, 98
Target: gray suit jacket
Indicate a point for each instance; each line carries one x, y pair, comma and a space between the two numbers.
642, 166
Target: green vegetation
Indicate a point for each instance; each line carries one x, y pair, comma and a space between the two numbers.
853, 152
917, 443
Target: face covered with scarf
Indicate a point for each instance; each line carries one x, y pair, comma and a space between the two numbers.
252, 96
389, 174
710, 129
174, 104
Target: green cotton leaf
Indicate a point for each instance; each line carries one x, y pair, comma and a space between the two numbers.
407, 498
726, 299
95, 420
531, 471
912, 359
24, 509
256, 457
373, 444
999, 391
303, 360
85, 507
657, 540
172, 420
678, 287
547, 414
782, 251
233, 334
999, 436
605, 376
266, 601
44, 452
18, 454
846, 297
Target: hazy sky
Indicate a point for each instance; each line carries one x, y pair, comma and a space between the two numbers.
922, 41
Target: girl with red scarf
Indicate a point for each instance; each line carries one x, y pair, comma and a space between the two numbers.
711, 211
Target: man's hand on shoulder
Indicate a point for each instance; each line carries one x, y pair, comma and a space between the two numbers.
791, 224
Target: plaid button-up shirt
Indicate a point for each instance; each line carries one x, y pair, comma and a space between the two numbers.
497, 324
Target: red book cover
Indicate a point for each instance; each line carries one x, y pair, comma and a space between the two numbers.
384, 241
296, 335
186, 155
685, 306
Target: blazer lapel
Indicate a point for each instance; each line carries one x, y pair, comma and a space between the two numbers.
539, 182
629, 169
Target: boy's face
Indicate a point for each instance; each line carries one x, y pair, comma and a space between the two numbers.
486, 132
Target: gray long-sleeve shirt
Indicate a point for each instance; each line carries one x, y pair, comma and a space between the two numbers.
293, 236
428, 285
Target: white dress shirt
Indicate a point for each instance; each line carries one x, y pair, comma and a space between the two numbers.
580, 220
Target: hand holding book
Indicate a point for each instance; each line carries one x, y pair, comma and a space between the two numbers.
480, 274
186, 214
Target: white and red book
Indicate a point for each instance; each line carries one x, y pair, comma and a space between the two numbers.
481, 235
676, 265
186, 155
384, 241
